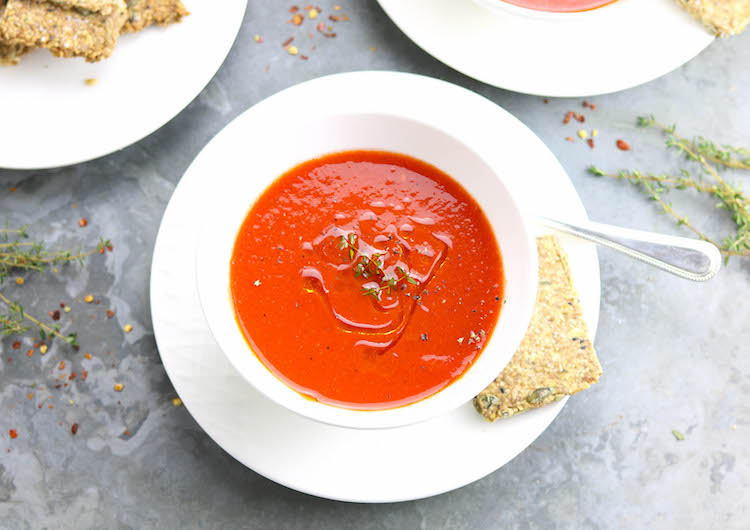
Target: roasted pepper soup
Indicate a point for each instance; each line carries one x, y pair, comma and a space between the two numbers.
560, 6
366, 279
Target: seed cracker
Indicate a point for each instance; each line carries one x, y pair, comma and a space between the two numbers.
556, 357
722, 17
65, 31
144, 13
105, 7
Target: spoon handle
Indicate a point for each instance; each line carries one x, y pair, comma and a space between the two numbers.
691, 259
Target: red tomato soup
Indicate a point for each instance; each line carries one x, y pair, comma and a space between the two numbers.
366, 279
560, 6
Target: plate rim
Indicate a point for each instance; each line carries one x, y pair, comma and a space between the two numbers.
157, 256
153, 126
390, 8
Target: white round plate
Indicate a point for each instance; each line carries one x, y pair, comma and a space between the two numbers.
386, 465
614, 48
51, 118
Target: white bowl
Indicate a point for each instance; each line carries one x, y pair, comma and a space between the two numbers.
500, 6
322, 131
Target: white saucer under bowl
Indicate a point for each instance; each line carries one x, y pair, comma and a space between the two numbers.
320, 459
580, 54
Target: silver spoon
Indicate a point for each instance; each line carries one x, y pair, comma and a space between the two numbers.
691, 259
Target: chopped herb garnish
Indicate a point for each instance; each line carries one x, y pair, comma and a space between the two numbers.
371, 267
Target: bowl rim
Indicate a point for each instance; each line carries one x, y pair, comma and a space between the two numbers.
558, 16
263, 379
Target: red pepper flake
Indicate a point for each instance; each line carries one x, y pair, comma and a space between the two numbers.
570, 139
623, 145
287, 42
61, 366
30, 353
580, 118
590, 141
294, 9
55, 315
297, 20
58, 386
74, 428
87, 355
589, 105
345, 18
51, 406
62, 305
258, 39
570, 114
545, 100
83, 222
84, 375
109, 247
127, 433
333, 18
304, 57
13, 434
30, 395
73, 375
12, 189
322, 29
110, 313
16, 345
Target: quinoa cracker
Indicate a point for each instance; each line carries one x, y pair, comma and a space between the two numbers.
63, 29
144, 13
722, 17
556, 357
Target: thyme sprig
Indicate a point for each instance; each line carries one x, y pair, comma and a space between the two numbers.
722, 154
18, 254
372, 267
710, 159
13, 322
15, 253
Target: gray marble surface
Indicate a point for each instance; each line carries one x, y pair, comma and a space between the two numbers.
675, 355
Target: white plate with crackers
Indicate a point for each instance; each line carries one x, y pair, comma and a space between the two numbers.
61, 111
385, 465
603, 50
